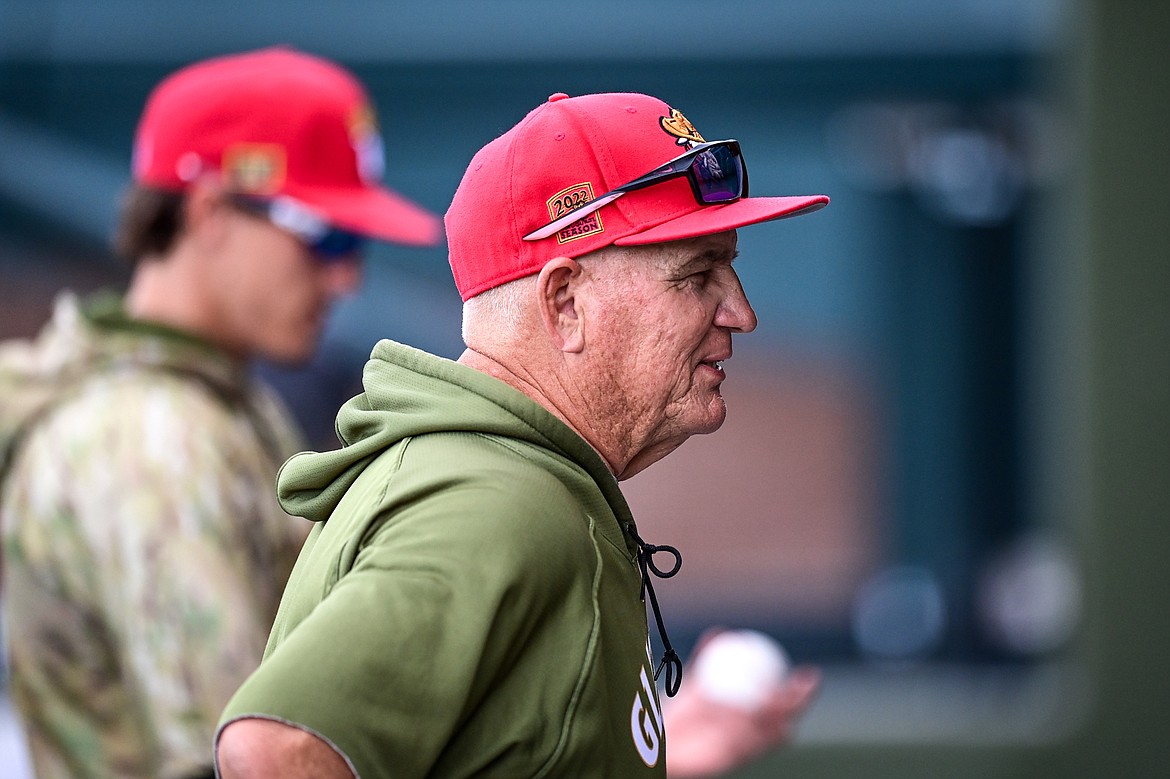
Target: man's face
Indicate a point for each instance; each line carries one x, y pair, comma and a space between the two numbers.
657, 339
274, 293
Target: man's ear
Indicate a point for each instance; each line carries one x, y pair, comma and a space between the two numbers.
559, 302
204, 209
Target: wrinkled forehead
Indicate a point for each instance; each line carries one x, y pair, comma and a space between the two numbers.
714, 248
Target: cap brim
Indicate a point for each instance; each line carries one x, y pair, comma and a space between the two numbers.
716, 219
376, 213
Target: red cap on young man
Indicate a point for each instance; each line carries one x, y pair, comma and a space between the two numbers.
278, 122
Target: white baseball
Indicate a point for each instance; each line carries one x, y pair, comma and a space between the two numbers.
740, 668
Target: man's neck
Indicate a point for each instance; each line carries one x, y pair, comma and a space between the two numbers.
165, 291
521, 381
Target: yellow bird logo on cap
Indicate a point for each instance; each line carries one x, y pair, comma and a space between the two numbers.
681, 128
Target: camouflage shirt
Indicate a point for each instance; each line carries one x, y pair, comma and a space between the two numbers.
144, 550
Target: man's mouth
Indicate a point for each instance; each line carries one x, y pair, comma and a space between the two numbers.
715, 364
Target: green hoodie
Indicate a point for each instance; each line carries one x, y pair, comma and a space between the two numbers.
468, 603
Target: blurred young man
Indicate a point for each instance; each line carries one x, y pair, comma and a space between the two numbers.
471, 600
145, 552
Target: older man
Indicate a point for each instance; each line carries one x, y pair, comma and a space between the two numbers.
471, 601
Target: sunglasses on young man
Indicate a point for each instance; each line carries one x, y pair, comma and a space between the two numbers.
327, 242
715, 170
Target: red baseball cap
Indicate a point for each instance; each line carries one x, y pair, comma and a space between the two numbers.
278, 122
571, 150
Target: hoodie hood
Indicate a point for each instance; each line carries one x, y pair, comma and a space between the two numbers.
84, 338
408, 393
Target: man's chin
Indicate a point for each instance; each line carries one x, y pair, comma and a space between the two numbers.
289, 355
713, 419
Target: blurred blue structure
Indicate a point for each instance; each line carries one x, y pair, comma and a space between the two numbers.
945, 288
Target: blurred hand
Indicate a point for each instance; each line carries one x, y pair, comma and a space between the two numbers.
706, 738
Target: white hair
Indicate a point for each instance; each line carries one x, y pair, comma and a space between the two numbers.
499, 311
502, 313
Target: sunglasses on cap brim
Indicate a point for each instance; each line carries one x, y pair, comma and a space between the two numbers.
715, 170
324, 240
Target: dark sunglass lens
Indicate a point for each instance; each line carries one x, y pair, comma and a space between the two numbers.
336, 244
718, 175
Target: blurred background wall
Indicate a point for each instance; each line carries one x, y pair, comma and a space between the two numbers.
943, 475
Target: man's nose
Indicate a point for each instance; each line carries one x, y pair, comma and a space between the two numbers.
735, 312
342, 276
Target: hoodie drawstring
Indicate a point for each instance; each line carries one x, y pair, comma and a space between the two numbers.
646, 552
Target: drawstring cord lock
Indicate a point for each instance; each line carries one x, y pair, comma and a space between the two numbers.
670, 659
